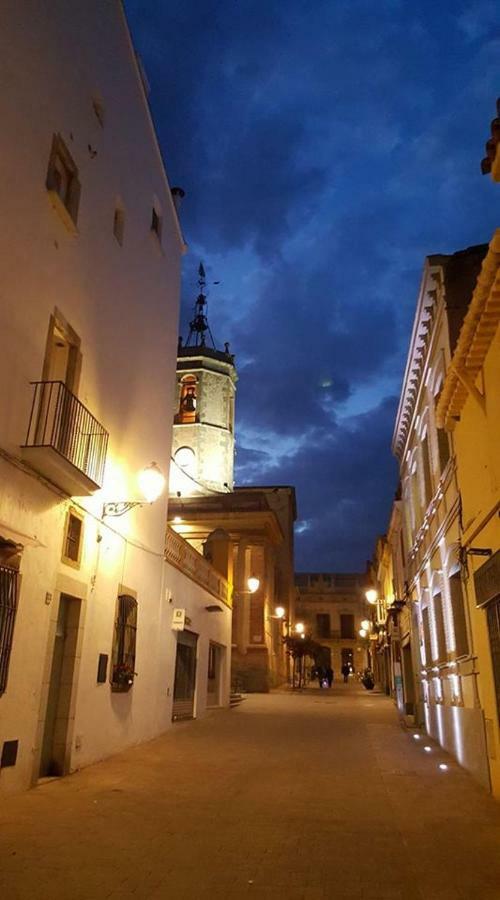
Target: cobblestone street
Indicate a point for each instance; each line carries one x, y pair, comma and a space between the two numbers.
309, 796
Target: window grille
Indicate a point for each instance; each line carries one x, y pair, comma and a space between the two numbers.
124, 642
8, 608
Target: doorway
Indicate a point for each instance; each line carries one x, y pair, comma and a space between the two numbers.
347, 657
214, 674
185, 676
55, 742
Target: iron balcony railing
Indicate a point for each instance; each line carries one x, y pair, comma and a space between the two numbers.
58, 420
8, 608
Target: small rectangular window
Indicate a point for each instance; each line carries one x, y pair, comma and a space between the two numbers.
72, 548
62, 182
124, 642
323, 625
156, 223
119, 224
426, 460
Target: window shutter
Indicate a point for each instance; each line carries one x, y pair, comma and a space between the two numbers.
459, 618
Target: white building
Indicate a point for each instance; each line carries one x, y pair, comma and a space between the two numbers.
90, 246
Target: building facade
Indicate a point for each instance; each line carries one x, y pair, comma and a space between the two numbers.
91, 249
469, 407
444, 657
333, 606
246, 532
249, 543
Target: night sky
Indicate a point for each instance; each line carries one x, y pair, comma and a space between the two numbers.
325, 148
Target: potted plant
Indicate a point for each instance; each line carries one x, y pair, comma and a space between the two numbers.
123, 677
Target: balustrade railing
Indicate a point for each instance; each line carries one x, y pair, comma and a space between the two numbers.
60, 421
185, 558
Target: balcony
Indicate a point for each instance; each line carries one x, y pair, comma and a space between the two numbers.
64, 442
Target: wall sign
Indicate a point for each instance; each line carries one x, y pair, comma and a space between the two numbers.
178, 619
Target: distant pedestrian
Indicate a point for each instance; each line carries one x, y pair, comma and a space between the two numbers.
320, 674
329, 675
345, 672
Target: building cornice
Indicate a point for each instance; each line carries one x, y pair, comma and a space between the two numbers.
476, 335
430, 287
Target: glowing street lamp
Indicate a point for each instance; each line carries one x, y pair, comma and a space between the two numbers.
279, 612
253, 584
151, 482
371, 595
366, 625
362, 632
300, 627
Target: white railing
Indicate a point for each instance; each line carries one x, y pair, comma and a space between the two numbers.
186, 559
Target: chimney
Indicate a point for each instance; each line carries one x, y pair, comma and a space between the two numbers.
177, 197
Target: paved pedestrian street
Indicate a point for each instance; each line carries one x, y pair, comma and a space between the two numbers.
314, 795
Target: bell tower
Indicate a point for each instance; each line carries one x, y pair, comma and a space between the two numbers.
203, 434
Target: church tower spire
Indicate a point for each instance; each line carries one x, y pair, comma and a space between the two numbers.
198, 326
203, 433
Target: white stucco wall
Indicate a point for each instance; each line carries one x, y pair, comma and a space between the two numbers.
122, 301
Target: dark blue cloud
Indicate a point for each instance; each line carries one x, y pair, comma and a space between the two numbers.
325, 149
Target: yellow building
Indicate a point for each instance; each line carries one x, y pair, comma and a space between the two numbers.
469, 407
332, 607
447, 670
395, 656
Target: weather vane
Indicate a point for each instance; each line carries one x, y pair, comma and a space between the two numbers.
198, 326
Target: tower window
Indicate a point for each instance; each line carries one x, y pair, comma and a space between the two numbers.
187, 401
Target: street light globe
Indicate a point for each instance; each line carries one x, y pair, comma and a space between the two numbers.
371, 595
253, 584
365, 624
299, 627
151, 482
279, 612
362, 632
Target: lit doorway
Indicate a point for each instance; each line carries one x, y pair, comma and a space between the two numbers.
348, 658
185, 676
56, 732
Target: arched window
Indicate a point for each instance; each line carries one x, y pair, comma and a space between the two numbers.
187, 401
